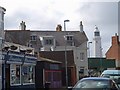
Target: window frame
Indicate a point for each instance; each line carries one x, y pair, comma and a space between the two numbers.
49, 41
69, 37
33, 37
13, 67
82, 56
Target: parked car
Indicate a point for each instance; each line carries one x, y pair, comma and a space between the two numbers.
95, 83
113, 74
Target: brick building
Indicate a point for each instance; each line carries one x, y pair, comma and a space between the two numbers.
114, 50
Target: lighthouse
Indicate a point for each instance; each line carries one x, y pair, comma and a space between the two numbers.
97, 43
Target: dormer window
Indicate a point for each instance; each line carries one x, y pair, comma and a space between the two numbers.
69, 37
69, 40
48, 41
33, 37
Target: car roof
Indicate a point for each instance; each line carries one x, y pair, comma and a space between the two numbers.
95, 78
111, 72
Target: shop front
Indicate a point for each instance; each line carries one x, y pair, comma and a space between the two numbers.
19, 70
48, 74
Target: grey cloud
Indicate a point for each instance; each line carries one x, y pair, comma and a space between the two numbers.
105, 16
101, 12
33, 19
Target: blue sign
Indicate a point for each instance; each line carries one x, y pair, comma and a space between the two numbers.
17, 57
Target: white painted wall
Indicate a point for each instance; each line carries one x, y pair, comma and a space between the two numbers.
81, 63
97, 46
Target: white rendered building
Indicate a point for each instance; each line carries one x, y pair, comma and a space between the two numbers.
55, 41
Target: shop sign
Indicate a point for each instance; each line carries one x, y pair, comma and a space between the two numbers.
29, 59
19, 58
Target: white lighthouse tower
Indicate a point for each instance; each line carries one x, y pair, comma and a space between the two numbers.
97, 43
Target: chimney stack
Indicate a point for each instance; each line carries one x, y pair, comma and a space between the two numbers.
22, 26
59, 27
115, 39
81, 26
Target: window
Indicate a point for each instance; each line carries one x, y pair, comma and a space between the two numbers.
69, 40
15, 74
22, 74
81, 70
33, 38
81, 56
29, 45
54, 66
48, 42
97, 34
69, 37
28, 74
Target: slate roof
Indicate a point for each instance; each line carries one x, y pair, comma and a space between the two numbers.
78, 37
23, 36
17, 36
48, 60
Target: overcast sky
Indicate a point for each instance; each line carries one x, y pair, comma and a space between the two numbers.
46, 14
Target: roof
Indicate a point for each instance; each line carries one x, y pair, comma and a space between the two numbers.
59, 56
78, 37
95, 78
48, 60
18, 47
101, 62
17, 36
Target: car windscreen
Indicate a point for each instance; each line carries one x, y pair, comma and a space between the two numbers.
93, 84
115, 77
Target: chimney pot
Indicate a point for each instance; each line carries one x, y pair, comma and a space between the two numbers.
22, 26
59, 27
115, 40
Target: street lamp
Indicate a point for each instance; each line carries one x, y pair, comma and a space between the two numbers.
89, 71
21, 76
101, 66
66, 54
